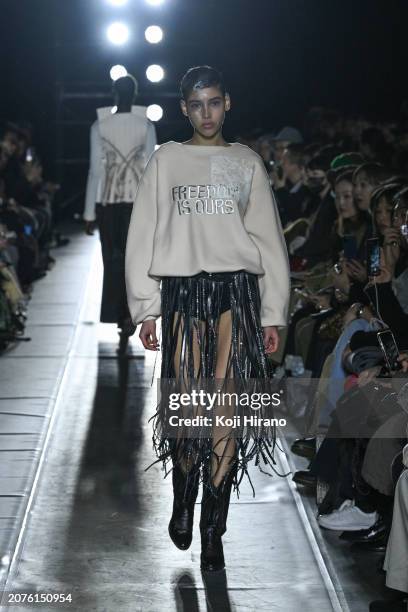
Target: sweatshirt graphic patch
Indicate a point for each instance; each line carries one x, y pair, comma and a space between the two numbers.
227, 194
227, 170
204, 199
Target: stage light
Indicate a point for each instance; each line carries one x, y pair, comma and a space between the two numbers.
155, 73
153, 34
154, 112
118, 71
155, 2
117, 2
117, 33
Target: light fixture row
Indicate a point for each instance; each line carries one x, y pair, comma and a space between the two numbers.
154, 73
118, 34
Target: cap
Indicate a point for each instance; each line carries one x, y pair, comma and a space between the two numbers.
289, 134
347, 159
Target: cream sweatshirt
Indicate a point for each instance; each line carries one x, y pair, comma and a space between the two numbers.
205, 208
121, 144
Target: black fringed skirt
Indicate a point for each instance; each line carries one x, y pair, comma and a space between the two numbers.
192, 309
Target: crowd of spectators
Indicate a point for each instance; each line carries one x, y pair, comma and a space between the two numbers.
342, 192
27, 227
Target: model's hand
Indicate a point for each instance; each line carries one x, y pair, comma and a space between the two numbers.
271, 339
90, 227
148, 335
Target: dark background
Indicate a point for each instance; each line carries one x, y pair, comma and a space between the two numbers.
279, 58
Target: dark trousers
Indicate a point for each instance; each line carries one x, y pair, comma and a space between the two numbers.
113, 221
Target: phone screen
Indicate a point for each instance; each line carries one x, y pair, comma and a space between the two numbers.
389, 348
373, 257
350, 246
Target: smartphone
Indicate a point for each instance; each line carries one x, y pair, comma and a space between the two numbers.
29, 155
350, 246
389, 348
28, 230
373, 257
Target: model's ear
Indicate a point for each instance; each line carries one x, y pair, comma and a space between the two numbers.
227, 102
183, 107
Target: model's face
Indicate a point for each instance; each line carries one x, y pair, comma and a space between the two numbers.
383, 214
344, 199
206, 110
362, 191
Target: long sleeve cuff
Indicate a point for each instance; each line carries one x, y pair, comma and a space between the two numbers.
264, 227
143, 290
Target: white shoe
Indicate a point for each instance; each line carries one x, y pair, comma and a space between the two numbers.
347, 518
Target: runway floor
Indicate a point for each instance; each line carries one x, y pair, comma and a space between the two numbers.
78, 512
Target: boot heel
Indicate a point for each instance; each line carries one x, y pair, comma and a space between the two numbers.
213, 523
212, 552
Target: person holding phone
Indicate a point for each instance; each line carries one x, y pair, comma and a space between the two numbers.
391, 308
381, 206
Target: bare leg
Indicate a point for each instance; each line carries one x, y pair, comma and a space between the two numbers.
223, 443
183, 351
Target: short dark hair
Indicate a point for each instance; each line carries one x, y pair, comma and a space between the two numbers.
126, 87
321, 161
384, 190
346, 175
375, 172
295, 153
200, 77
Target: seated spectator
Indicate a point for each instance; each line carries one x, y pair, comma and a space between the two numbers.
396, 558
317, 246
373, 145
351, 221
287, 135
293, 198
365, 179
390, 301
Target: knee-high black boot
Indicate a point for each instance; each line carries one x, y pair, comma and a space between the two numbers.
213, 522
185, 490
